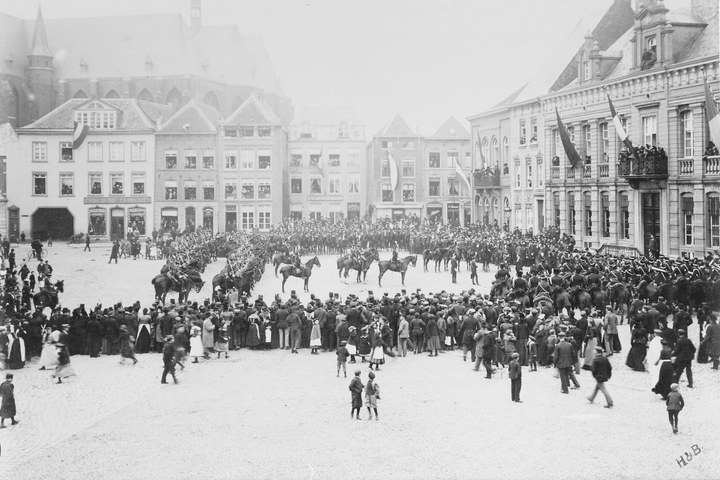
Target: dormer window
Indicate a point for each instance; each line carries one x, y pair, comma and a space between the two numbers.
586, 70
649, 54
97, 117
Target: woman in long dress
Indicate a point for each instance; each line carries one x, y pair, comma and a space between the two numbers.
63, 369
666, 375
638, 350
590, 344
16, 352
315, 340
432, 335
653, 354
49, 354
142, 344
377, 354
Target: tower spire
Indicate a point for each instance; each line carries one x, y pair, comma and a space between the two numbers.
40, 45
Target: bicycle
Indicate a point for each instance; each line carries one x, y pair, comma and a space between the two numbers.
31, 254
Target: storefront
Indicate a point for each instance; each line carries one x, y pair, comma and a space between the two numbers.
353, 210
137, 219
230, 218
208, 219
190, 219
169, 218
117, 223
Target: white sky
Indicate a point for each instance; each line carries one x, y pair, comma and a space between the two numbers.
424, 59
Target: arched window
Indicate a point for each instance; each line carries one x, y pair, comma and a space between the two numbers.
486, 153
173, 95
687, 138
494, 152
80, 94
211, 100
145, 95
112, 94
506, 156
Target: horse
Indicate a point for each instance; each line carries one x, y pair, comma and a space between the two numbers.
599, 297
519, 295
345, 264
46, 298
401, 267
427, 255
647, 290
500, 289
280, 258
302, 272
163, 284
580, 298
619, 296
562, 300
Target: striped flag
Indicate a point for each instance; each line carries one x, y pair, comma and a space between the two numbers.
570, 151
393, 170
711, 111
80, 131
460, 172
620, 128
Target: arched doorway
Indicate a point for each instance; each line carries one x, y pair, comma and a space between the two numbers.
208, 219
57, 222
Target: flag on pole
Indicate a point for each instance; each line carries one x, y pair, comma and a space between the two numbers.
620, 128
711, 111
321, 164
80, 131
570, 151
393, 170
460, 172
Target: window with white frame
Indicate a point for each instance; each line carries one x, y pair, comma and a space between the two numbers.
208, 190
529, 174
67, 184
264, 189
231, 188
230, 132
688, 136
247, 159
95, 183
264, 220
334, 159
434, 160
408, 190
605, 136
296, 185
434, 187
494, 153
453, 186
138, 183
264, 131
650, 130
248, 190
571, 212
190, 190
354, 184
385, 167
506, 156
605, 209
97, 117
296, 159
624, 215
529, 216
387, 192
190, 159
117, 151
523, 132
334, 184
66, 152
587, 204
117, 184
533, 131
137, 151
687, 207
39, 184
518, 175
587, 139
247, 220
95, 152
315, 185
343, 130
451, 159
170, 159
247, 131
408, 167
264, 160
540, 172
713, 214
230, 160
208, 159
353, 159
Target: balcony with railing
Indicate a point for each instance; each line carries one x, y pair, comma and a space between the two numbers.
711, 161
686, 167
604, 169
486, 178
587, 171
648, 163
555, 173
570, 172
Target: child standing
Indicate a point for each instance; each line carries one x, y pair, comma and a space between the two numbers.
221, 345
674, 403
342, 355
356, 388
532, 349
372, 395
196, 346
315, 340
352, 344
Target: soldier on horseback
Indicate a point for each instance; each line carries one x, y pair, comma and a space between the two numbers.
395, 261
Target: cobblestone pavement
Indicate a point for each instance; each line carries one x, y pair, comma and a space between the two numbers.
275, 415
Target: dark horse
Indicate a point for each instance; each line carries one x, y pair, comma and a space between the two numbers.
302, 272
45, 298
401, 267
279, 259
345, 264
163, 284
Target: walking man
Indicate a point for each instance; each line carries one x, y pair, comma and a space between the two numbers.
515, 374
356, 388
684, 353
601, 371
168, 359
114, 252
564, 360
87, 243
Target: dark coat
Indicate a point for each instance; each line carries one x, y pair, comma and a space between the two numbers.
684, 350
563, 355
601, 369
515, 370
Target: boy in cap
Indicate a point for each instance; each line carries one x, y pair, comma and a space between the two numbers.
342, 355
674, 403
356, 388
372, 395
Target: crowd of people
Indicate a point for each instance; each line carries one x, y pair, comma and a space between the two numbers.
496, 332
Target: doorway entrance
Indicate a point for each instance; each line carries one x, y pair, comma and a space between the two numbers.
57, 222
117, 224
651, 221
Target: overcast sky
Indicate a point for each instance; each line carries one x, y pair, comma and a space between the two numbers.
424, 59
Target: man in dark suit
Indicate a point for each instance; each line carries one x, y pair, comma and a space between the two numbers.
601, 371
563, 357
515, 375
684, 353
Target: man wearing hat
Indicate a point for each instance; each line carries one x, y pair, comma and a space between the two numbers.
684, 352
601, 372
565, 357
356, 388
168, 359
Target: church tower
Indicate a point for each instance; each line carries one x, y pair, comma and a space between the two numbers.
195, 15
40, 72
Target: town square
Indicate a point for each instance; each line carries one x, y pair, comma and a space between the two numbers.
231, 256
